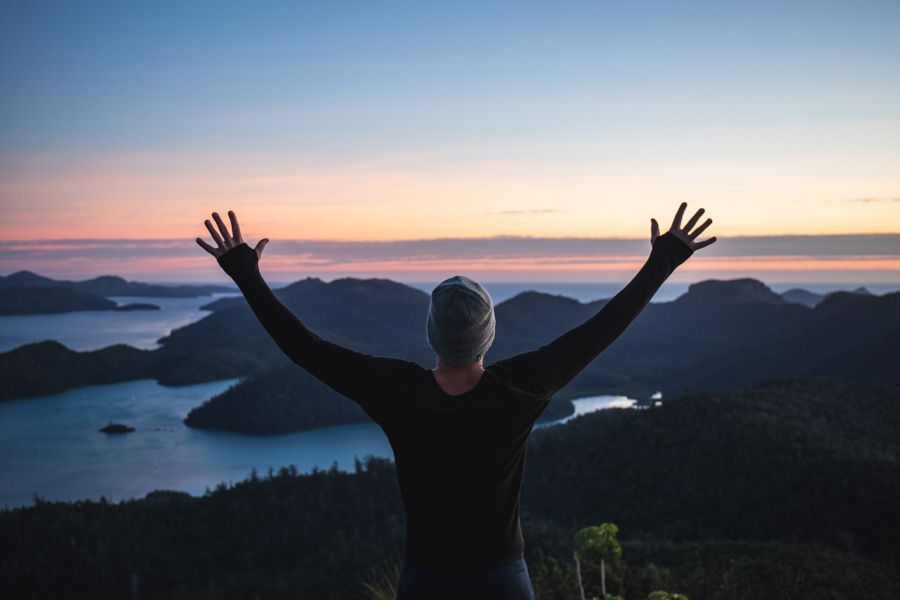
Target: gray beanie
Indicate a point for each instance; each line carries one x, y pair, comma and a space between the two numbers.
461, 321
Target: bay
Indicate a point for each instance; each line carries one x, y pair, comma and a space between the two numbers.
93, 329
51, 446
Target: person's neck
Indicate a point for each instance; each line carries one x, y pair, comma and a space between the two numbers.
451, 369
458, 379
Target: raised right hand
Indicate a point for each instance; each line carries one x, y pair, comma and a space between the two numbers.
682, 232
226, 242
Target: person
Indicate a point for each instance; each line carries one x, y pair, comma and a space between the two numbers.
458, 431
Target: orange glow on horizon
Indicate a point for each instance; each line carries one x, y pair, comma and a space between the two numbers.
404, 198
291, 268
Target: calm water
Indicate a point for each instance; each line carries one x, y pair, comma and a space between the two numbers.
93, 329
50, 445
590, 404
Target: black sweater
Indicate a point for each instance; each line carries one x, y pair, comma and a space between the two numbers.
459, 458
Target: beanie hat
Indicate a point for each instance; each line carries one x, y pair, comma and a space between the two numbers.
461, 322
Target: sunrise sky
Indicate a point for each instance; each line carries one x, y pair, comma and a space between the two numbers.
511, 142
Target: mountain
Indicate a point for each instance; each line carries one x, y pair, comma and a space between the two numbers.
44, 299
731, 291
801, 296
284, 400
25, 278
720, 333
49, 367
787, 489
110, 285
40, 299
370, 315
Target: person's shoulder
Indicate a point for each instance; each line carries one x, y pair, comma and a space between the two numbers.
519, 377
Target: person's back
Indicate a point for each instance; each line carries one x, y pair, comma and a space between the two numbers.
460, 460
460, 457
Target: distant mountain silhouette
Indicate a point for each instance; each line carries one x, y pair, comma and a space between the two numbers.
38, 299
21, 290
801, 296
369, 315
717, 291
48, 367
23, 278
720, 333
51, 298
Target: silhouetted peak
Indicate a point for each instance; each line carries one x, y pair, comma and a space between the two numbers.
107, 279
532, 299
802, 296
731, 290
21, 278
843, 301
308, 283
40, 348
371, 285
812, 299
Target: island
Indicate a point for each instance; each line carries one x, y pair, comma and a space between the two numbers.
116, 428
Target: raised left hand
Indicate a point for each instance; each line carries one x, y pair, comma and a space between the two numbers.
225, 241
682, 232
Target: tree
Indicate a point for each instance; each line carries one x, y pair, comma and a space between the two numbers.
663, 595
597, 542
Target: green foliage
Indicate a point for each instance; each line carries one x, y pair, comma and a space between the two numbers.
807, 461
663, 595
598, 542
382, 583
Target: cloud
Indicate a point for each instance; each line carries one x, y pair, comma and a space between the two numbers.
524, 212
867, 200
864, 258
336, 252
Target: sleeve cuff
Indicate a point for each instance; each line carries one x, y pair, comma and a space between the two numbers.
675, 250
241, 263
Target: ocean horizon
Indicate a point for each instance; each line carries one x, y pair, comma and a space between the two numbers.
589, 291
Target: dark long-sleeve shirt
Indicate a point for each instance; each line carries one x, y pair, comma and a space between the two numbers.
459, 458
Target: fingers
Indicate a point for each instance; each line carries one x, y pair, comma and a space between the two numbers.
654, 230
700, 229
704, 243
215, 234
207, 247
260, 246
235, 228
223, 229
676, 222
693, 220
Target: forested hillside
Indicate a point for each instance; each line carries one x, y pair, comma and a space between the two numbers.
789, 489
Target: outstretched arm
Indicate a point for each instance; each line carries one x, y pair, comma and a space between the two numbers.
544, 371
361, 377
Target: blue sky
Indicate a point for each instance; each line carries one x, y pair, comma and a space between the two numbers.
394, 121
457, 78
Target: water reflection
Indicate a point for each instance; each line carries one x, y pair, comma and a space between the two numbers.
591, 404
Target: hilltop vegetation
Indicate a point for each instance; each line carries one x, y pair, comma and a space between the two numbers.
789, 489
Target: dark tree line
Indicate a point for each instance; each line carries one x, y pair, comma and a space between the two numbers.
789, 489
